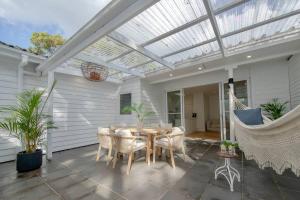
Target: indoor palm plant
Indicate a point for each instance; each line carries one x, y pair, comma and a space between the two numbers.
141, 113
27, 122
274, 109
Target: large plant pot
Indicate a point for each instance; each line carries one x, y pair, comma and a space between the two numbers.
29, 161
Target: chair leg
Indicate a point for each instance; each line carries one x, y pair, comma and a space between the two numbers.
183, 151
129, 162
153, 153
98, 153
115, 158
172, 158
108, 159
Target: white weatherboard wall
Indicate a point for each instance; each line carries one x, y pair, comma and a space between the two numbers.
294, 77
132, 86
141, 92
269, 80
8, 90
80, 107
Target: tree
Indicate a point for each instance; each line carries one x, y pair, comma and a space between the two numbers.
45, 43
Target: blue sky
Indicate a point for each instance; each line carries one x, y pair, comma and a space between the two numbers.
20, 18
19, 33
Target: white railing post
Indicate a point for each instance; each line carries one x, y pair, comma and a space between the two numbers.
231, 103
50, 112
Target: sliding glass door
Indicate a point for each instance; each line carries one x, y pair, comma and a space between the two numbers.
174, 107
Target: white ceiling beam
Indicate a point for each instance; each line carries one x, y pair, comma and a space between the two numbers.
96, 60
131, 44
77, 72
119, 56
274, 19
176, 30
190, 47
109, 18
214, 24
229, 6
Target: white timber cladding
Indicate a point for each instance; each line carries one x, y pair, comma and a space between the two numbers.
132, 86
8, 90
152, 98
79, 108
294, 78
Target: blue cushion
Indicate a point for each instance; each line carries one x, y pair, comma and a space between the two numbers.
250, 117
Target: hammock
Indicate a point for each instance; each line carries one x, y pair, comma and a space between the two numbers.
274, 144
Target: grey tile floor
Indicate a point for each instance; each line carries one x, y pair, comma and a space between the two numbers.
74, 174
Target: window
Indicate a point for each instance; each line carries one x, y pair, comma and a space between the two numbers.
125, 100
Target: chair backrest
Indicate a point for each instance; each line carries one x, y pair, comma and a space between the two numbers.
166, 126
177, 136
122, 142
104, 137
117, 126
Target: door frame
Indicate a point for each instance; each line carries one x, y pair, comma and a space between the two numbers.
181, 91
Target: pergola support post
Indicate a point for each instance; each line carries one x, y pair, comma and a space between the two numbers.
231, 102
50, 112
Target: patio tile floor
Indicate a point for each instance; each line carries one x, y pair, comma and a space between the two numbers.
74, 174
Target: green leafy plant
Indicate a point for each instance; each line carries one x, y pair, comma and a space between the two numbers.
141, 112
228, 143
45, 43
274, 109
26, 120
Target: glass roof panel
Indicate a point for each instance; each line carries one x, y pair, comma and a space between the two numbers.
132, 59
106, 48
120, 75
150, 67
252, 12
203, 50
290, 24
186, 38
220, 3
162, 17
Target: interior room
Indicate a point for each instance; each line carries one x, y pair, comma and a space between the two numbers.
202, 113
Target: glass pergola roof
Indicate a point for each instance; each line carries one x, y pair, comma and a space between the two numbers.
173, 31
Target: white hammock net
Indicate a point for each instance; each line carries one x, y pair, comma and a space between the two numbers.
274, 144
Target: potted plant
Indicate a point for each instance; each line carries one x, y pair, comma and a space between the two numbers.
28, 123
229, 147
141, 113
274, 109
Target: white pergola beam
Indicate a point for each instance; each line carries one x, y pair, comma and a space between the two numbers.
109, 18
176, 30
214, 24
77, 72
229, 6
96, 60
131, 44
274, 19
190, 47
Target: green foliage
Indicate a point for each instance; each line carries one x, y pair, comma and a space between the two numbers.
27, 122
228, 143
44, 43
274, 109
139, 110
